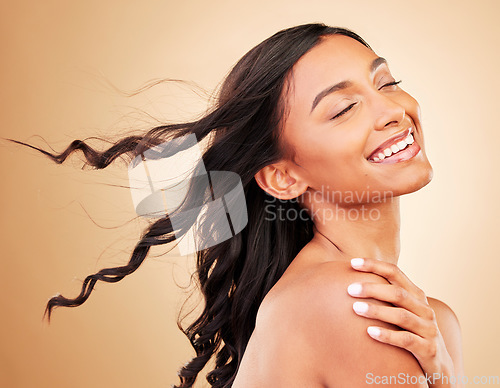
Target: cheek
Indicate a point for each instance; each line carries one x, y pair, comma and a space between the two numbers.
331, 160
412, 108
329, 147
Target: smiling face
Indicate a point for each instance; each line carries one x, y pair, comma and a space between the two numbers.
351, 127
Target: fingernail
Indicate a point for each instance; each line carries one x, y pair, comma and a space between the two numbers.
373, 331
354, 289
357, 262
360, 307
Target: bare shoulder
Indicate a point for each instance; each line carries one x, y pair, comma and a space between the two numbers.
444, 313
314, 309
449, 326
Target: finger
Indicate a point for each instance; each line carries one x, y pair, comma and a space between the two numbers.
390, 272
394, 294
396, 316
415, 344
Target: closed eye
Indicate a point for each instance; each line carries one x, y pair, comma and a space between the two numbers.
348, 108
344, 111
390, 84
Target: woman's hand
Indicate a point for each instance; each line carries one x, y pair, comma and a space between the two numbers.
411, 312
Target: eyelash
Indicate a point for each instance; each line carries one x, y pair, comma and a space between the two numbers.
391, 84
354, 103
344, 111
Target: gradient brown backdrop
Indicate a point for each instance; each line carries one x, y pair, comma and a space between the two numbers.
60, 223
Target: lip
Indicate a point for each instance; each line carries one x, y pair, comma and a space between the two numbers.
388, 143
408, 153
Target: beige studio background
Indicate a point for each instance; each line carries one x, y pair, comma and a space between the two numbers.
60, 223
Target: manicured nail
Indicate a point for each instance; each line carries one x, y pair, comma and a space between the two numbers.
357, 262
354, 289
360, 307
373, 331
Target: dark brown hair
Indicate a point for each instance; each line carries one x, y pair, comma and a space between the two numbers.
235, 275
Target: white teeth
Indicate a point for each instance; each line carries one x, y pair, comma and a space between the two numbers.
399, 146
402, 145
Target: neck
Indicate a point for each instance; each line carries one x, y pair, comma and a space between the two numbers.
362, 230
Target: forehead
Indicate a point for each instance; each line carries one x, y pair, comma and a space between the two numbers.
337, 58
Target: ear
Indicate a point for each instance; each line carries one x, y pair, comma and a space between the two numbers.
275, 180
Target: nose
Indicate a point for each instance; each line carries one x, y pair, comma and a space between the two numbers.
388, 113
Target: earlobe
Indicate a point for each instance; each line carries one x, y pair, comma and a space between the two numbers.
275, 181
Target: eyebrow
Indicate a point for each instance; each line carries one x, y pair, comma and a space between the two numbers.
344, 84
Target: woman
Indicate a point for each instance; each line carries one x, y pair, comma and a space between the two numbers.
324, 141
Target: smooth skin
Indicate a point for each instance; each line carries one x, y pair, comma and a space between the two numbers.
312, 327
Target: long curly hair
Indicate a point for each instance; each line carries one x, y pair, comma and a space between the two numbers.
245, 126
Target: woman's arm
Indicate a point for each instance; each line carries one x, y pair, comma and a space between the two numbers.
440, 359
312, 336
450, 329
349, 356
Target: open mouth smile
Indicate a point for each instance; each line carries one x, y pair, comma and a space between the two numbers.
397, 149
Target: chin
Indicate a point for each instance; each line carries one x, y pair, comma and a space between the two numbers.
420, 179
